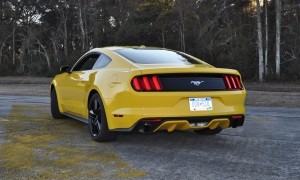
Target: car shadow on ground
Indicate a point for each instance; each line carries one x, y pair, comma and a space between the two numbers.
176, 140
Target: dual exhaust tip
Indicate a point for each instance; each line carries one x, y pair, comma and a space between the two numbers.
145, 128
148, 125
237, 120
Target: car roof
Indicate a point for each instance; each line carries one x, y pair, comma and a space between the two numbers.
113, 48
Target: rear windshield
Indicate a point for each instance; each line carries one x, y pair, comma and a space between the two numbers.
155, 56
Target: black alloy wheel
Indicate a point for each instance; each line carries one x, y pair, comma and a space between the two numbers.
97, 121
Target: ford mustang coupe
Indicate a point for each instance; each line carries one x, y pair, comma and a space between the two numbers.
117, 89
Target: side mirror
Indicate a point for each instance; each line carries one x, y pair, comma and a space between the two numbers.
65, 68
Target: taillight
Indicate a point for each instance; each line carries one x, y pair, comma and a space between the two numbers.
233, 82
147, 83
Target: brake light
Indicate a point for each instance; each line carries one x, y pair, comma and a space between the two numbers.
147, 83
136, 84
238, 82
233, 82
227, 82
156, 82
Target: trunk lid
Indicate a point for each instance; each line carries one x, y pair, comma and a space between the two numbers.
189, 77
170, 69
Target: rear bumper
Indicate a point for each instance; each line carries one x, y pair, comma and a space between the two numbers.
170, 106
189, 123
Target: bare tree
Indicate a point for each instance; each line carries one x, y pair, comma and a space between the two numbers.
54, 41
63, 14
266, 36
259, 43
81, 24
14, 43
181, 12
217, 31
44, 52
2, 46
163, 39
182, 30
25, 44
278, 30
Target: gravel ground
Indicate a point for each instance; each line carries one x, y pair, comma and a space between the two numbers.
35, 146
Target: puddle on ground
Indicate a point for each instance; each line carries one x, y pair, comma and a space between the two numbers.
36, 146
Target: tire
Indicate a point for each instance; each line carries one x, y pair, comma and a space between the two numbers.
54, 106
98, 126
208, 131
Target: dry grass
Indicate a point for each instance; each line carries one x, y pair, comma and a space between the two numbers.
277, 99
24, 86
24, 80
25, 89
273, 94
273, 87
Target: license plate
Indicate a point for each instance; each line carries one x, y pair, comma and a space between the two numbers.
200, 104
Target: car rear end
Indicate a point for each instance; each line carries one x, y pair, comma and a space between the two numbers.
179, 97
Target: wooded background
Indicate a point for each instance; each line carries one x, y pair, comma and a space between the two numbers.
260, 38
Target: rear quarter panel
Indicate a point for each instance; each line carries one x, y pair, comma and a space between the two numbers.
110, 80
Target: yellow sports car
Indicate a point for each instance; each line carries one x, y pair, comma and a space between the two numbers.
117, 89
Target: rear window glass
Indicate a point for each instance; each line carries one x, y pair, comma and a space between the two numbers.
102, 61
155, 56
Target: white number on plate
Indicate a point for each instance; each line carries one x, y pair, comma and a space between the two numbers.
200, 104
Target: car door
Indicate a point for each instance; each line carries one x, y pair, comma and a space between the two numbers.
76, 82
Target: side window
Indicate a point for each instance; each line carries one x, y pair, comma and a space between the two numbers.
86, 63
102, 61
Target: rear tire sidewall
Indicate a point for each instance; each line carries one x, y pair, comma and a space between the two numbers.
104, 135
56, 114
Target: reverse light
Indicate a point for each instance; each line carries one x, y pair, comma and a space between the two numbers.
199, 124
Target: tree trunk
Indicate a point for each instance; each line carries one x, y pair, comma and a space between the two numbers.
278, 30
66, 40
163, 37
259, 43
181, 29
266, 37
1, 50
45, 53
63, 15
2, 46
21, 69
81, 27
54, 45
14, 44
183, 36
